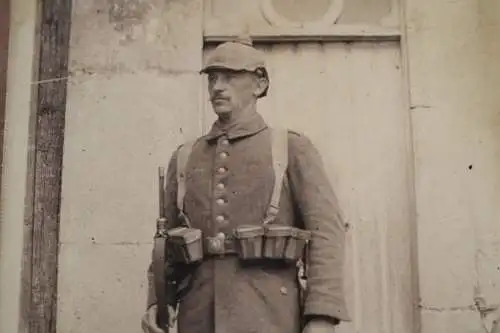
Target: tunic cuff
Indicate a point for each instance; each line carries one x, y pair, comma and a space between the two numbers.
322, 309
151, 300
331, 320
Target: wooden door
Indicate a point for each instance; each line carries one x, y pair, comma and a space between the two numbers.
342, 84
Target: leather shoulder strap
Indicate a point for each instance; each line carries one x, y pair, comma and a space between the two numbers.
182, 158
279, 149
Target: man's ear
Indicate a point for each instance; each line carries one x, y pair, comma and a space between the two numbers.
261, 85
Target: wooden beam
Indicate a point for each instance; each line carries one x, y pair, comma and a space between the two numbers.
54, 34
335, 33
4, 54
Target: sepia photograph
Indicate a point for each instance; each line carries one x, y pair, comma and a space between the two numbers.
252, 166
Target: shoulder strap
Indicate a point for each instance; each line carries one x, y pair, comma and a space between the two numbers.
279, 149
182, 159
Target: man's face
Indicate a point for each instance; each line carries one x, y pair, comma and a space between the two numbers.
232, 91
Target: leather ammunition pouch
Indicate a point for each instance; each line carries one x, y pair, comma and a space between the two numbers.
254, 242
284, 242
184, 245
249, 241
271, 242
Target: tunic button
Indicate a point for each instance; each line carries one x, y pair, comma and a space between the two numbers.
220, 201
220, 218
225, 142
223, 155
221, 170
220, 186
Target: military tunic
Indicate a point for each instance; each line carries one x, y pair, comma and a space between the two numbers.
229, 181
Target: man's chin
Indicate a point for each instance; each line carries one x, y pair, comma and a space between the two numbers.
221, 111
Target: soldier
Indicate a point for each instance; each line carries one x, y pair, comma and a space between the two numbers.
229, 182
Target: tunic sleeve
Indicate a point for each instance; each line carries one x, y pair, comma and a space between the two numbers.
171, 216
319, 210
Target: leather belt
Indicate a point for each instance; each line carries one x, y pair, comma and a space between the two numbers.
217, 246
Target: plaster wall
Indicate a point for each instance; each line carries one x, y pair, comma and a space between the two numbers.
453, 53
133, 97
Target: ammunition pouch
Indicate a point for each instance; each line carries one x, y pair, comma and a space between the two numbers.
271, 242
249, 241
297, 243
184, 245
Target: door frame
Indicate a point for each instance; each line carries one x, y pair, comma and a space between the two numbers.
41, 229
4, 55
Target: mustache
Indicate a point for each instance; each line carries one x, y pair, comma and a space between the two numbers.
219, 97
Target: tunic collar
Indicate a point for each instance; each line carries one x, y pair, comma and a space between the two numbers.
248, 125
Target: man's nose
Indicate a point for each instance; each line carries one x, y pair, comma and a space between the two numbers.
219, 85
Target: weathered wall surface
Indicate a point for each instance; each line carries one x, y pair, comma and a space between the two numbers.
133, 97
453, 57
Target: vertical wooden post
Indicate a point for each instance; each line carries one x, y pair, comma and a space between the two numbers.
4, 53
54, 28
